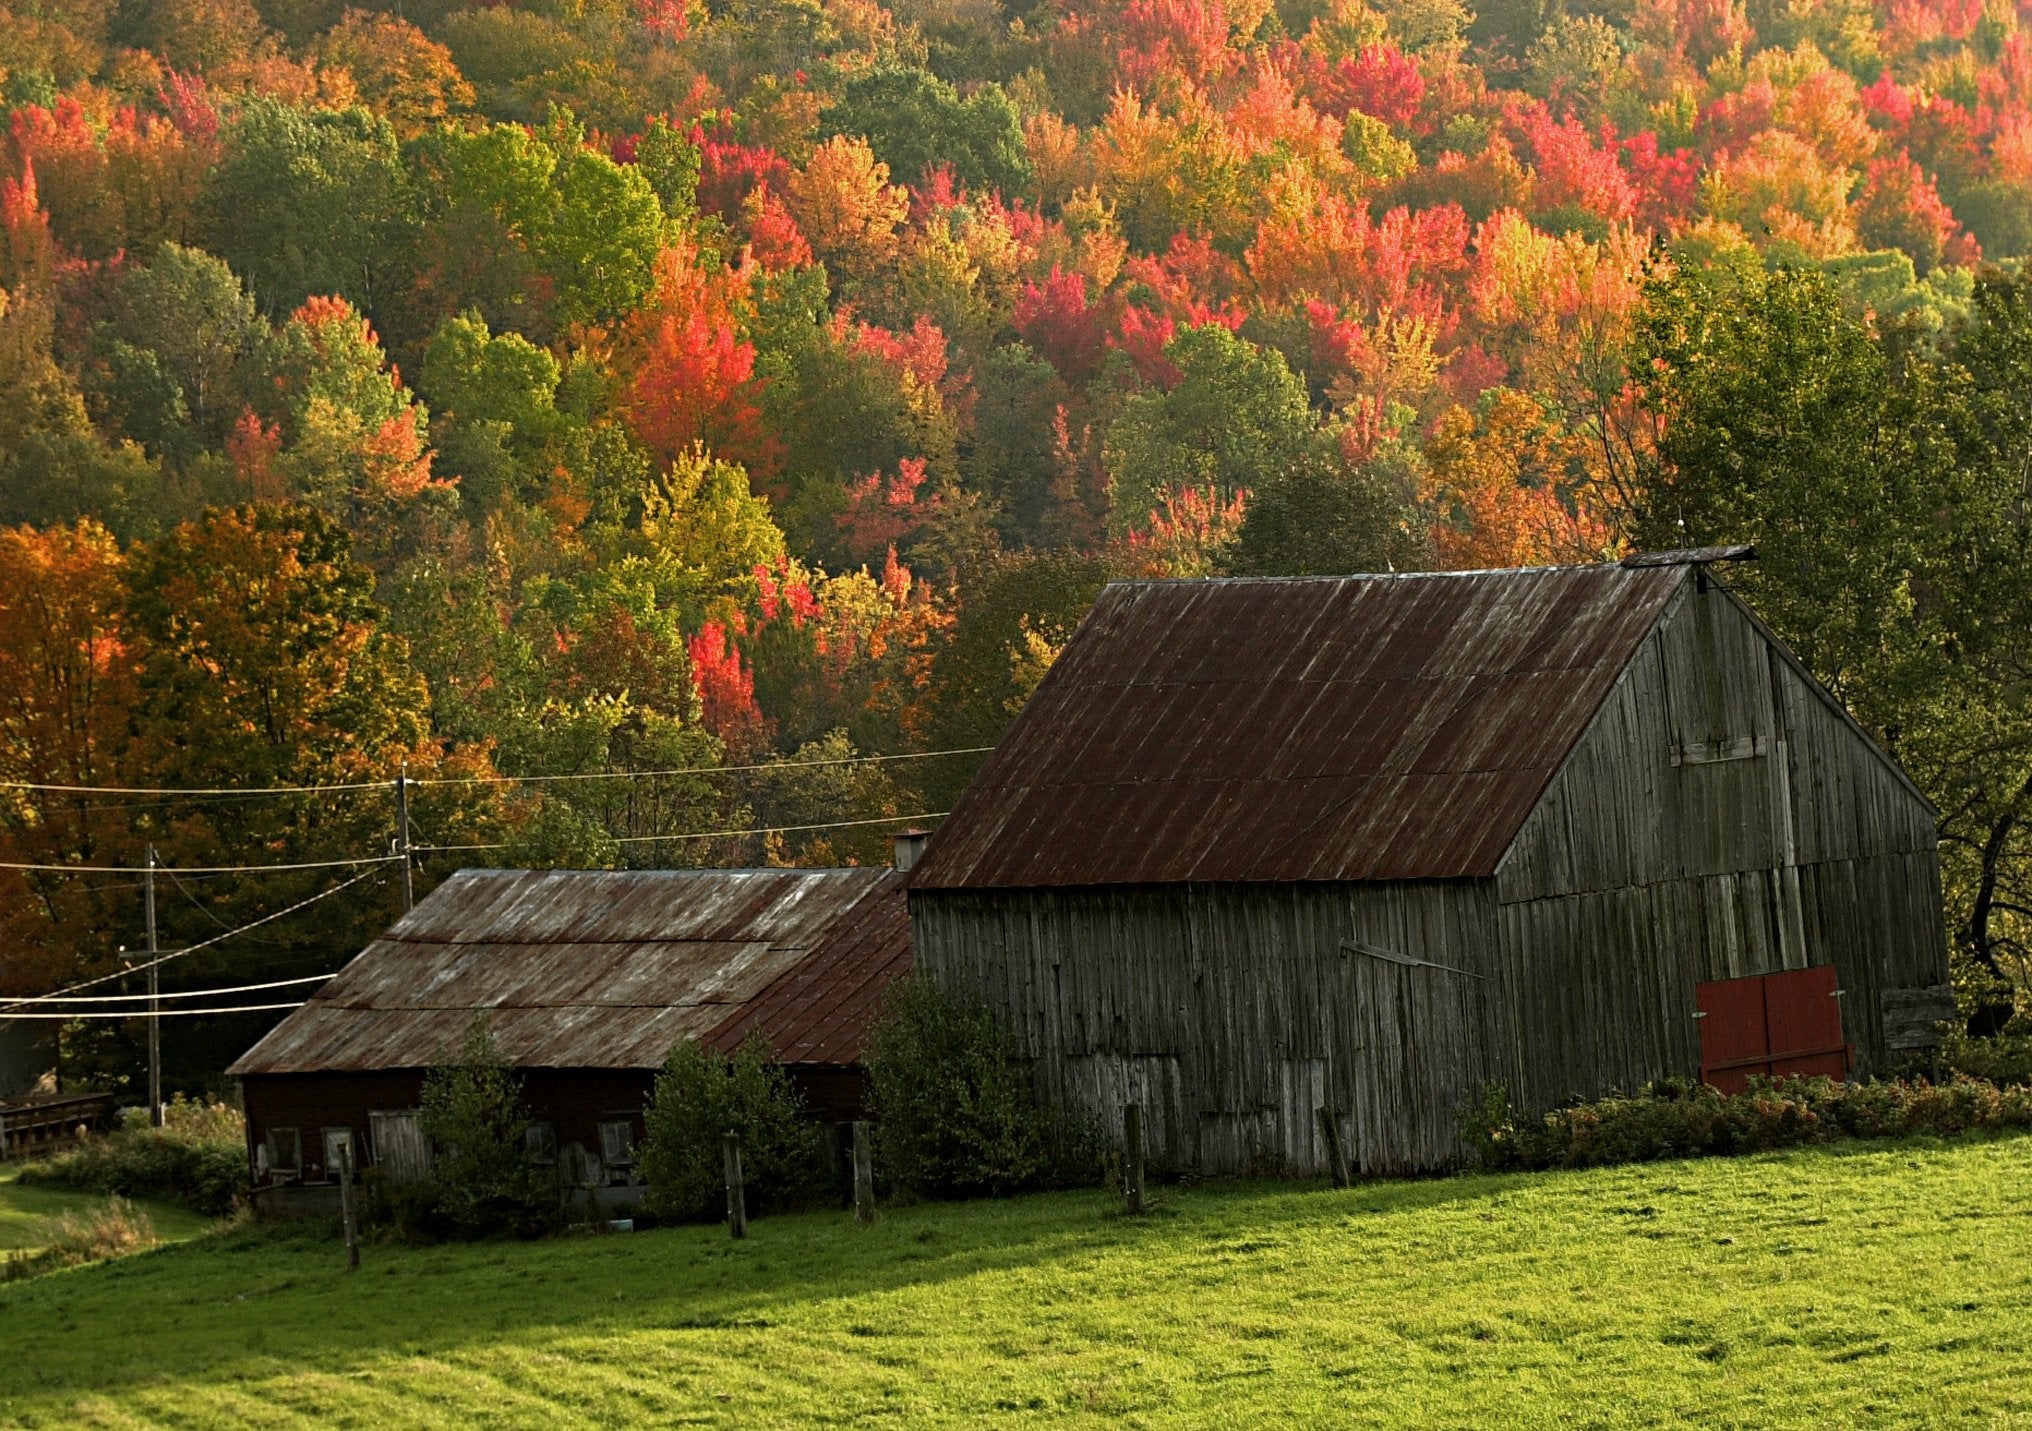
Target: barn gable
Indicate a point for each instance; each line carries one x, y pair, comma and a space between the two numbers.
1721, 818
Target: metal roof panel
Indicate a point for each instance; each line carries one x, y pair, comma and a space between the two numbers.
1337, 728
598, 969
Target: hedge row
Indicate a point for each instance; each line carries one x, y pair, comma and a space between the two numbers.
1686, 1120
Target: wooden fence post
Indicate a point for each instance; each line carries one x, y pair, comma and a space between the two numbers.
737, 1197
347, 1211
864, 1173
1336, 1159
1132, 1154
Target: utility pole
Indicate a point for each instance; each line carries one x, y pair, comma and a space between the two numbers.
402, 836
154, 999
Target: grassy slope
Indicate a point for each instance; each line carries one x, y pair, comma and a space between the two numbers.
27, 1212
1869, 1283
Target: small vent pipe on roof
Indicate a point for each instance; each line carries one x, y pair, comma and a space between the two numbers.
909, 848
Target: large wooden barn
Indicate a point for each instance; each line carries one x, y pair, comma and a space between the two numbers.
589, 979
1261, 847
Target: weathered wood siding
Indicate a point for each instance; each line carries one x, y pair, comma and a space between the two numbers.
1235, 1012
1720, 819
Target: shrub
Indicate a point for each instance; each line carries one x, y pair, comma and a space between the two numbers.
1681, 1120
114, 1230
700, 1096
955, 1116
197, 1158
2005, 1058
481, 1183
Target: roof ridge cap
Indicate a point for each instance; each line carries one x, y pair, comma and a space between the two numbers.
1603, 566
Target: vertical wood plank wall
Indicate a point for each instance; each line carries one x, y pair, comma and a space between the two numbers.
1233, 1013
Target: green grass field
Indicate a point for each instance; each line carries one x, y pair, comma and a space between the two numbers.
1862, 1284
27, 1213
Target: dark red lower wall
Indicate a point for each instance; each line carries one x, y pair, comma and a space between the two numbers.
575, 1101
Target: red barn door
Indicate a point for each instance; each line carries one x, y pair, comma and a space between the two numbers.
1776, 1025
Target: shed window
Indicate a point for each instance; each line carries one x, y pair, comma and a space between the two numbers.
1771, 1025
617, 1143
579, 1167
285, 1152
338, 1142
539, 1142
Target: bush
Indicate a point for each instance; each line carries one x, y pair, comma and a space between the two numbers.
954, 1112
482, 1183
1680, 1120
2005, 1058
114, 1230
700, 1096
197, 1158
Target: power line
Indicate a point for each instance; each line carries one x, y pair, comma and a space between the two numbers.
217, 922
206, 869
710, 834
195, 791
167, 1013
183, 993
8, 1011
779, 829
700, 769
222, 791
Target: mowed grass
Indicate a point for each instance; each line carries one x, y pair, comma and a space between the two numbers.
28, 1214
1865, 1284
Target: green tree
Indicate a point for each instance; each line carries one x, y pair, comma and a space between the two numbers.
482, 1179
700, 1096
474, 375
670, 162
977, 678
176, 344
1779, 425
498, 49
955, 1116
1968, 733
700, 513
507, 207
1327, 514
1885, 496
1010, 457
310, 202
912, 119
54, 464
1236, 419
600, 244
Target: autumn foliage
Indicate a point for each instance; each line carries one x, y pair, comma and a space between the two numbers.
677, 387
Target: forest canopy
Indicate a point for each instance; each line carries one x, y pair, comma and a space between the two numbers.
520, 394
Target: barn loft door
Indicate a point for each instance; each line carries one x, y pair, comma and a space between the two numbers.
1771, 1025
1419, 1054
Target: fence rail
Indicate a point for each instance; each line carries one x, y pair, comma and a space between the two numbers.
30, 1125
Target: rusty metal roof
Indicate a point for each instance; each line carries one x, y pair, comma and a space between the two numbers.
591, 969
1328, 728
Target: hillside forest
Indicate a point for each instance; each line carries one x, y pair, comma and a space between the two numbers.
627, 418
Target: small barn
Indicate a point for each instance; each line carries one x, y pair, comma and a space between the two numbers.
589, 979
1258, 848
